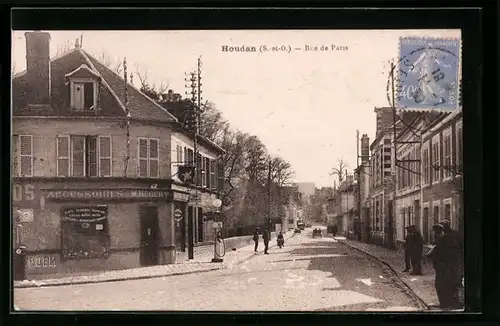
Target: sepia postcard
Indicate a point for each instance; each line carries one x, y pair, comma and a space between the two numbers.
237, 170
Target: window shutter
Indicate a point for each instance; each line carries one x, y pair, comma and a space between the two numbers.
220, 175
207, 173
26, 153
154, 158
198, 169
142, 157
15, 155
63, 154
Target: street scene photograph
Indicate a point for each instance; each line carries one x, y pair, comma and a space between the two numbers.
237, 170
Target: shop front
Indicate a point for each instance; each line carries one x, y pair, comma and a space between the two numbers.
81, 227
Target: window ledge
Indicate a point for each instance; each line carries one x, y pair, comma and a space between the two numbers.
448, 178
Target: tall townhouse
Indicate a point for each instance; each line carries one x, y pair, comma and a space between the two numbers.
408, 170
92, 179
381, 171
383, 176
442, 169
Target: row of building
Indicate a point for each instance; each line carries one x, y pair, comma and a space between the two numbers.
410, 174
95, 167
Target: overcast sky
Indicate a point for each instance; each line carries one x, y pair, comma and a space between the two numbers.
305, 106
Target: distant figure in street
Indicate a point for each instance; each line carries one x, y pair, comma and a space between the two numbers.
280, 240
256, 239
334, 230
444, 256
265, 237
414, 247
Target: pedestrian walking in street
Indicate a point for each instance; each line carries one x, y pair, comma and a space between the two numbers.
256, 239
265, 237
415, 246
334, 230
444, 259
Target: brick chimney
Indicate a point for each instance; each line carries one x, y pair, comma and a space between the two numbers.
365, 149
384, 118
38, 67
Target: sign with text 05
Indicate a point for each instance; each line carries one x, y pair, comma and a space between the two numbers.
25, 195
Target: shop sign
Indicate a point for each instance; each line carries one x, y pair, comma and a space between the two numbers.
110, 194
179, 196
85, 214
42, 263
25, 195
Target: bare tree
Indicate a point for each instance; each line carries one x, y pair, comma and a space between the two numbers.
340, 170
212, 124
147, 88
116, 65
257, 160
281, 172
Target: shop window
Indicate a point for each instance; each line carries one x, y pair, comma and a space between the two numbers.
148, 157
22, 155
85, 232
83, 156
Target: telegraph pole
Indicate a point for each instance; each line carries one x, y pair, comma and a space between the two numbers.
195, 107
269, 197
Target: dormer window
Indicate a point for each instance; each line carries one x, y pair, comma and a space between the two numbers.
83, 97
83, 83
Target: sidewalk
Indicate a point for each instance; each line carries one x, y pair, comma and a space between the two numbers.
422, 286
201, 263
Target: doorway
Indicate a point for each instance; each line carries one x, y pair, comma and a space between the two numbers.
148, 216
425, 220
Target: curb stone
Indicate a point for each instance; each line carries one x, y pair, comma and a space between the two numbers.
133, 278
408, 289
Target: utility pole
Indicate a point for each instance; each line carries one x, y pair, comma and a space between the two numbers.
269, 197
393, 212
195, 106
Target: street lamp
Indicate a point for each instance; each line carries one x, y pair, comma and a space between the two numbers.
217, 203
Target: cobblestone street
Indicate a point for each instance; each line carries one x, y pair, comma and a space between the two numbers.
308, 274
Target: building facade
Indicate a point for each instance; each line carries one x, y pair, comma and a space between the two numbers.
92, 174
442, 173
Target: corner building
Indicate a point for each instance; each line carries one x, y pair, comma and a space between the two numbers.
92, 185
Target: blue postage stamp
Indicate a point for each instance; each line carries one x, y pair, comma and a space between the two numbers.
429, 72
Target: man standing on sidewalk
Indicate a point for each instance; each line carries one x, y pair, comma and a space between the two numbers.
256, 239
415, 244
265, 237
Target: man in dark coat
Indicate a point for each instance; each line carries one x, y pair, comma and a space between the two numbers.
454, 262
256, 239
415, 245
265, 237
444, 256
407, 252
